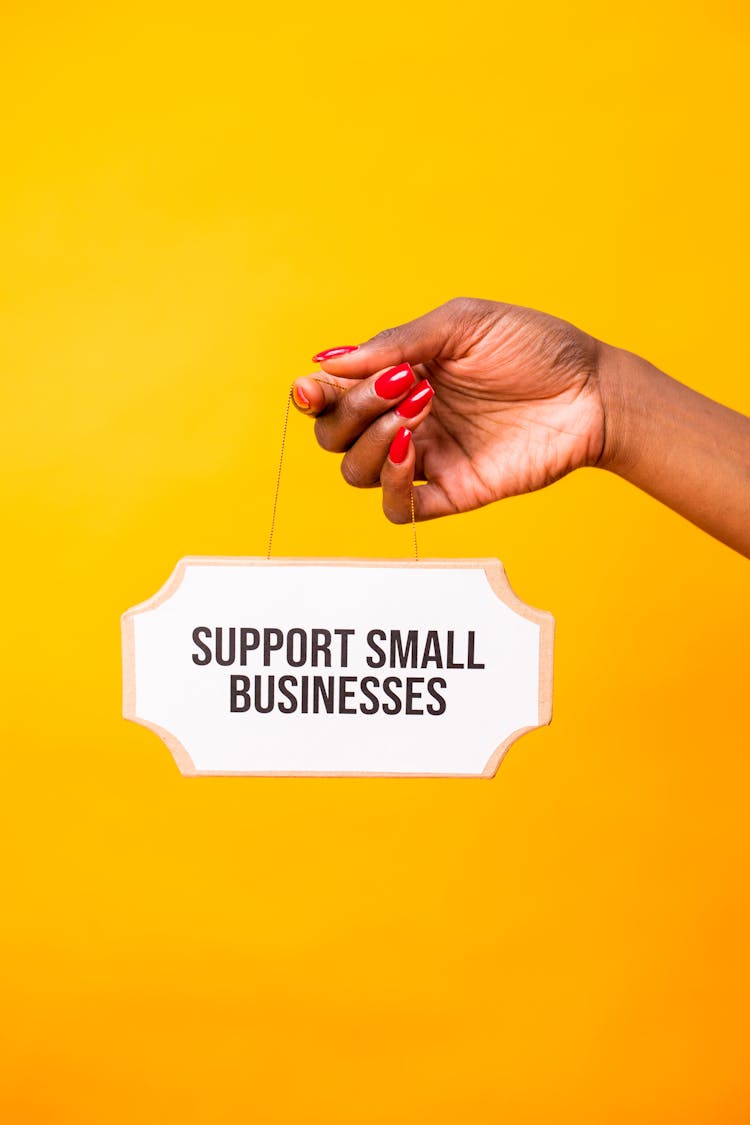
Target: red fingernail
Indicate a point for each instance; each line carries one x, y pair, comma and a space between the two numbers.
300, 398
416, 401
393, 382
333, 353
400, 446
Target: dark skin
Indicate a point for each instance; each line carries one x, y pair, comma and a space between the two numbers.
521, 399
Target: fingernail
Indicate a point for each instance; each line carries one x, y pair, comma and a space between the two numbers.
400, 446
333, 353
416, 401
300, 398
394, 381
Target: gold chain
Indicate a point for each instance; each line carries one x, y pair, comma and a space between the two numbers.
284, 429
278, 474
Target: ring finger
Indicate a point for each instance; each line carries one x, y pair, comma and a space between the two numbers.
363, 463
339, 427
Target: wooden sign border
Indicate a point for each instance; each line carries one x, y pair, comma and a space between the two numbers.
496, 577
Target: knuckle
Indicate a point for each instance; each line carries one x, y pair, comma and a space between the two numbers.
376, 438
327, 437
387, 335
352, 473
393, 339
465, 309
469, 315
394, 514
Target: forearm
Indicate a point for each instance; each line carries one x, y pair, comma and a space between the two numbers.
679, 446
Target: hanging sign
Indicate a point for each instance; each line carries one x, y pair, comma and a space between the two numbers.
333, 666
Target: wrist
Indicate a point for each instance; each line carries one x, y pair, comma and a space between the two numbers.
625, 381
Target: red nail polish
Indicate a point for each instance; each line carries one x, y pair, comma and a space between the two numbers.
400, 446
394, 381
334, 353
300, 397
416, 401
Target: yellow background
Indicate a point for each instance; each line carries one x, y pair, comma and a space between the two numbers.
194, 200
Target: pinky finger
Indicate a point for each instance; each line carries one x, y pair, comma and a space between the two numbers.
396, 477
399, 492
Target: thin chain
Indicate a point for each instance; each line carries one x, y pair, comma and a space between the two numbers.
284, 429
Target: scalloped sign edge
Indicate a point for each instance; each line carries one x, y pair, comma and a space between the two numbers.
496, 577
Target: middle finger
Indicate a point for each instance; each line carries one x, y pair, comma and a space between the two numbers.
363, 463
352, 412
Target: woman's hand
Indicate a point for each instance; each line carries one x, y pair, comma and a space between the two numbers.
516, 406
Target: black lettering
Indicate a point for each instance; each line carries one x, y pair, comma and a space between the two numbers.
449, 655
431, 654
291, 706
321, 689
374, 703
345, 634
249, 640
379, 660
220, 658
471, 663
239, 693
260, 707
273, 639
203, 647
400, 652
321, 642
395, 707
296, 662
346, 693
437, 708
412, 694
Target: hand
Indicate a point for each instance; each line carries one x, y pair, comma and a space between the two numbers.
517, 405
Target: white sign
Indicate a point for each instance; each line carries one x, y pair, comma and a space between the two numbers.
332, 666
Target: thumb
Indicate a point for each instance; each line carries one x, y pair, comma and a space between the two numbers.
418, 341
